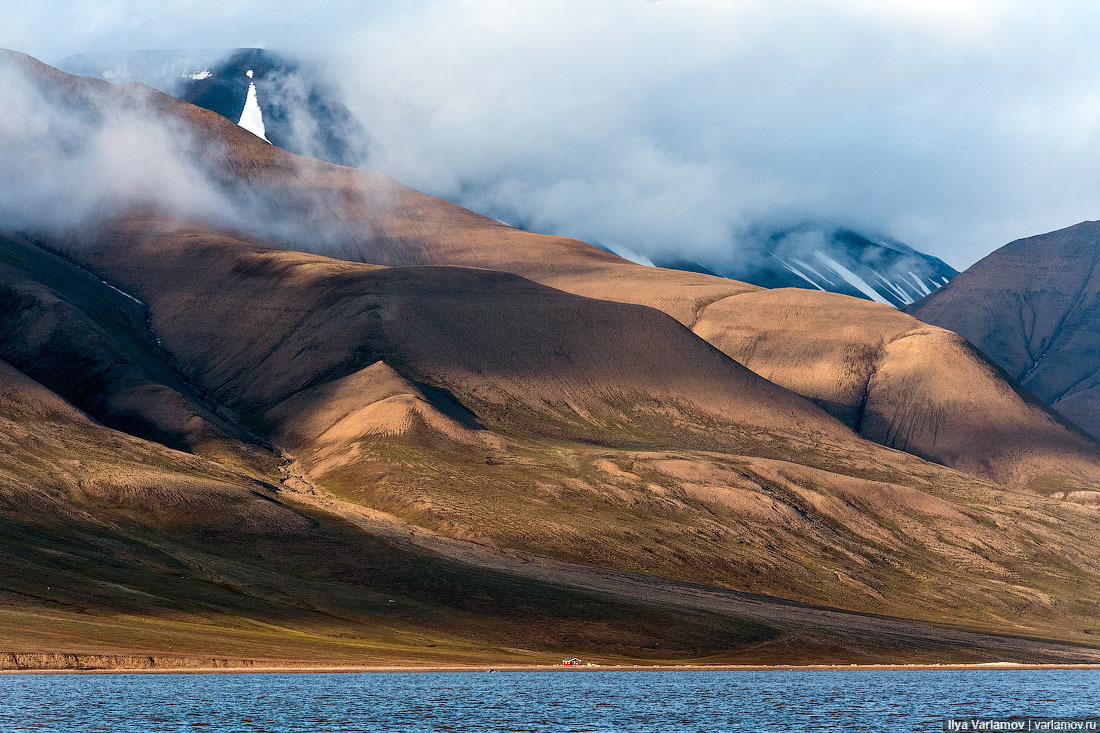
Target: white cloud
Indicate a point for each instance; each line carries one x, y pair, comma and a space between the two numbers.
954, 126
674, 125
64, 156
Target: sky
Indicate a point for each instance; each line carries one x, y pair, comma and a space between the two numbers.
683, 126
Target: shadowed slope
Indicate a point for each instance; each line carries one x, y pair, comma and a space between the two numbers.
1033, 306
92, 466
90, 342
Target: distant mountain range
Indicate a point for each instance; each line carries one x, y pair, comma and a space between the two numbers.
829, 258
281, 99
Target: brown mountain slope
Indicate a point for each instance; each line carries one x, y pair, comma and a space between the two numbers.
115, 546
373, 401
481, 406
1033, 306
116, 551
253, 325
899, 382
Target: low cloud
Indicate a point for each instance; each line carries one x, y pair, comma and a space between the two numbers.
78, 154
67, 156
684, 126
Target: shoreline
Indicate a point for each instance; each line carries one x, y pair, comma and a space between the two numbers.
458, 669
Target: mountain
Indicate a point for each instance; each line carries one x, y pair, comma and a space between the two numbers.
366, 217
281, 99
120, 552
833, 259
346, 421
1033, 306
899, 382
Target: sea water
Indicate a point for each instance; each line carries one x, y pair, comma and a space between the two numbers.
871, 700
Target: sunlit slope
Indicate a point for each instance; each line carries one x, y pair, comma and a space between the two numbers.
901, 383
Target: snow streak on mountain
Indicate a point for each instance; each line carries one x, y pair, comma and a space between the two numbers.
252, 117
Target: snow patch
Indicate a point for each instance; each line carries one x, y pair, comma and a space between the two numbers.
898, 290
200, 75
851, 278
810, 268
122, 292
248, 73
796, 271
139, 301
252, 118
923, 288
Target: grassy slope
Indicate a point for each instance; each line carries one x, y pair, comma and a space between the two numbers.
126, 547
939, 547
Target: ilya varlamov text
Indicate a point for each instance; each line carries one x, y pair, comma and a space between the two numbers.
1021, 724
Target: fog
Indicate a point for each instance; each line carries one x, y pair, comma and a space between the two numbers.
683, 126
67, 157
70, 157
